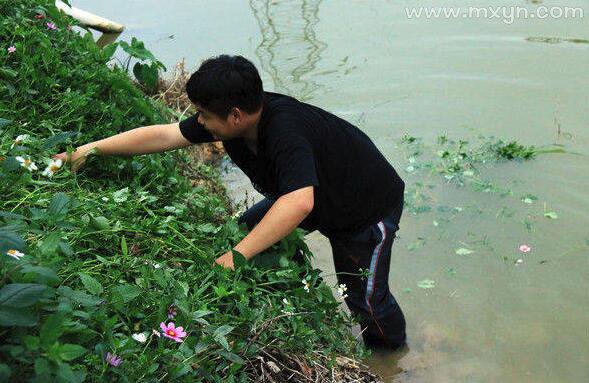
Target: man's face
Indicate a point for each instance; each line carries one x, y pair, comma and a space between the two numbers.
220, 128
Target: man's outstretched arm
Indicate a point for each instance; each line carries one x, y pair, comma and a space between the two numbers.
144, 140
283, 217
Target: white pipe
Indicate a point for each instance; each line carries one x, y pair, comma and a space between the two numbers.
90, 20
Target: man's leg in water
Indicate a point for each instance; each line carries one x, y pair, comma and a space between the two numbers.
381, 318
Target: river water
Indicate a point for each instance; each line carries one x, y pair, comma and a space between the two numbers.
486, 317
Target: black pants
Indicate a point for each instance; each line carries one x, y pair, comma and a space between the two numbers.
380, 317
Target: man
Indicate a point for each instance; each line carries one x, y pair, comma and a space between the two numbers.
316, 170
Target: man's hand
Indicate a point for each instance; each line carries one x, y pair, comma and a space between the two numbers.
283, 217
226, 260
77, 159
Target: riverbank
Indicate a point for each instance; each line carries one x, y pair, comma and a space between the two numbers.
106, 274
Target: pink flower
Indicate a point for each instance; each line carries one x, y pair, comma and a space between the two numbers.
11, 49
525, 248
112, 359
51, 26
173, 332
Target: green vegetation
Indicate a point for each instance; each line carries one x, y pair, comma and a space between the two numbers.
91, 264
460, 162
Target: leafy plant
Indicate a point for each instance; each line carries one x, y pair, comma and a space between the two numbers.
91, 264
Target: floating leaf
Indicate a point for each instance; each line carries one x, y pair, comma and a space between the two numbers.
426, 284
420, 242
551, 215
464, 251
529, 198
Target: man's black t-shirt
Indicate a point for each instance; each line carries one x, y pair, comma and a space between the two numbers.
302, 145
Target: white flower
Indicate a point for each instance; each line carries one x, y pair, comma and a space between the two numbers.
305, 285
26, 163
15, 254
20, 139
341, 290
285, 301
140, 337
156, 333
105, 199
519, 261
53, 166
156, 265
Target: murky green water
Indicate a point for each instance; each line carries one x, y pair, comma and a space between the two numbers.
487, 319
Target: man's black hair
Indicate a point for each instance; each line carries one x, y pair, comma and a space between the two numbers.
224, 82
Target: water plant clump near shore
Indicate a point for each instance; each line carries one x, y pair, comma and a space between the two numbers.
461, 162
107, 274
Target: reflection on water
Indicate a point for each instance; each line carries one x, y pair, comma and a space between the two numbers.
289, 49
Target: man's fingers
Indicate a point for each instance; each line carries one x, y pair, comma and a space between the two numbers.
61, 156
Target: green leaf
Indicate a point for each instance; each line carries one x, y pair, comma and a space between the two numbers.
43, 275
232, 357
11, 316
51, 330
220, 333
4, 373
180, 370
78, 296
31, 342
109, 50
4, 122
464, 251
21, 294
50, 245
551, 215
153, 368
100, 223
124, 249
7, 72
147, 75
121, 195
59, 206
126, 293
66, 374
239, 260
42, 367
137, 50
207, 228
70, 351
58, 139
92, 285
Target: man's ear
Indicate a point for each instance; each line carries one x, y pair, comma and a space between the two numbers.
236, 114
